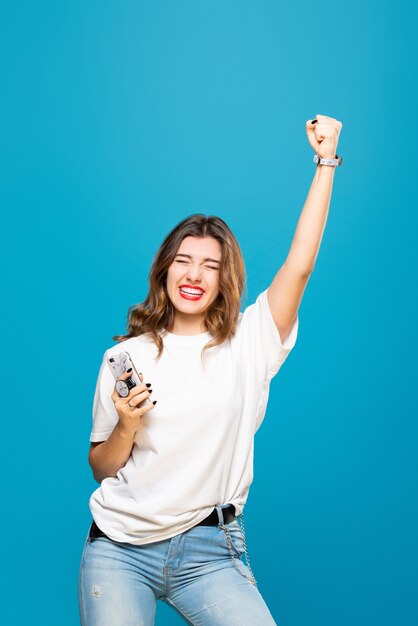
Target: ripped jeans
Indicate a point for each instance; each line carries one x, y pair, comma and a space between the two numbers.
199, 573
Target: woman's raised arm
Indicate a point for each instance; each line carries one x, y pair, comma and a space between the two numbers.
286, 290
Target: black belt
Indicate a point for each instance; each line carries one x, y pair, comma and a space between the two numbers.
211, 520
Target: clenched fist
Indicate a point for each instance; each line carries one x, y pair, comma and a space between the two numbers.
323, 135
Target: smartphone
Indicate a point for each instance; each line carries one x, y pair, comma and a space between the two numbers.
119, 364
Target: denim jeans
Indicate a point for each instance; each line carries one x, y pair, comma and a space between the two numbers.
198, 572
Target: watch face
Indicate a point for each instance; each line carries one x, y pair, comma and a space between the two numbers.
122, 388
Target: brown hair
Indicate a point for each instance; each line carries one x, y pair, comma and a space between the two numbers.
157, 312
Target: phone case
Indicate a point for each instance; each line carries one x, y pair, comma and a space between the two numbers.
119, 364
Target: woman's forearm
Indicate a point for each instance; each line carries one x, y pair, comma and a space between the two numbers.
311, 224
109, 456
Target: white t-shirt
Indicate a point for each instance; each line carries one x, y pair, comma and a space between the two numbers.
194, 449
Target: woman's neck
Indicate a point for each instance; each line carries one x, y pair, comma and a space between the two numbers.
186, 325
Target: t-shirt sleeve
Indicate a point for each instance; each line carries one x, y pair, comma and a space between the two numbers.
264, 351
105, 416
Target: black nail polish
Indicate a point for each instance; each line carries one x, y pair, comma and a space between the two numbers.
148, 384
155, 402
150, 391
314, 121
129, 370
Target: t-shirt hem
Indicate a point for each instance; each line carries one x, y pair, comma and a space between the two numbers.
154, 538
100, 436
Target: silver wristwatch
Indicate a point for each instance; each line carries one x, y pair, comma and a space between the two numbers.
334, 162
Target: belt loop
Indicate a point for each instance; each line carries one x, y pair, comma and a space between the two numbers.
220, 514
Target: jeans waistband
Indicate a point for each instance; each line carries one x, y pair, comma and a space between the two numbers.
227, 513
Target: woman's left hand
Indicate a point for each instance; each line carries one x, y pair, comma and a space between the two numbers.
323, 135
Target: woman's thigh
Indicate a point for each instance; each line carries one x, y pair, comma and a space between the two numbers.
209, 587
111, 591
222, 598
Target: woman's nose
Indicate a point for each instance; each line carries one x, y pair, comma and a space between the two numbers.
194, 273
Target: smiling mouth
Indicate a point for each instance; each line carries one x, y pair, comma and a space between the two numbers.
191, 294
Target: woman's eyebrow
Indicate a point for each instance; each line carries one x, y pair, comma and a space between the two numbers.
207, 259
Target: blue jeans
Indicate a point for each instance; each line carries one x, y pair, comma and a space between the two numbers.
198, 572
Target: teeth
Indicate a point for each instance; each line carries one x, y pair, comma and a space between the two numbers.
193, 292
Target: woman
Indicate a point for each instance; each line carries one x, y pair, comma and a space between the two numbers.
175, 471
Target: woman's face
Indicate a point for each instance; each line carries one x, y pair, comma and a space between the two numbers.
193, 281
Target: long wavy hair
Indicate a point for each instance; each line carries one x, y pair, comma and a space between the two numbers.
156, 314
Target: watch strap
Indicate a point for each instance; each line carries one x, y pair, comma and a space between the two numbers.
333, 162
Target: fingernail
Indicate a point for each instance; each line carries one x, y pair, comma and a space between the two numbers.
148, 384
314, 121
150, 390
155, 402
129, 370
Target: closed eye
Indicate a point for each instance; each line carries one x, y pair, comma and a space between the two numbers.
210, 267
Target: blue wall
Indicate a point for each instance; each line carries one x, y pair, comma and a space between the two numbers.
118, 120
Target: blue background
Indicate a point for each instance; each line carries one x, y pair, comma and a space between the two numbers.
119, 119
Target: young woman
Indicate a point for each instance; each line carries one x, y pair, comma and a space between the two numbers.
175, 472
